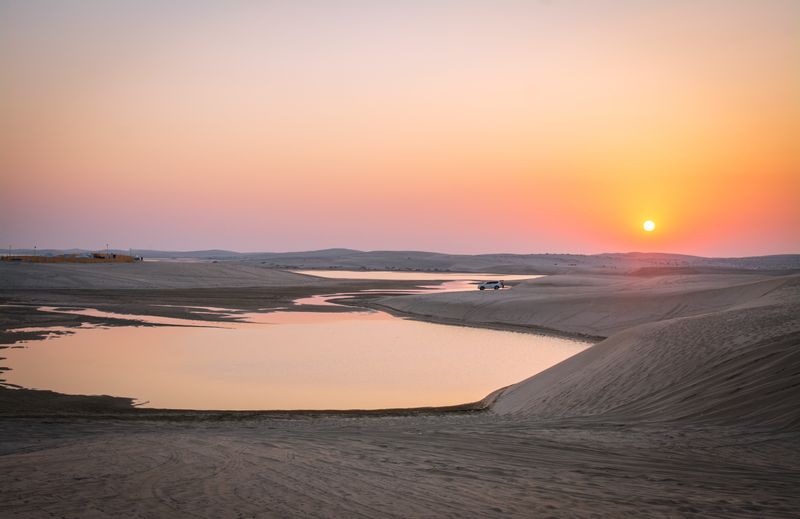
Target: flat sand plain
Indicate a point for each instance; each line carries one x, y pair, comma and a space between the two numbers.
689, 407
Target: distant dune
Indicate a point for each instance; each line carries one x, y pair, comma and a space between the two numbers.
349, 259
143, 275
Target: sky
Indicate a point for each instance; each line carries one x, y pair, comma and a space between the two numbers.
453, 126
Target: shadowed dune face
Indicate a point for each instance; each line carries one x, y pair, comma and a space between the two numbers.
739, 366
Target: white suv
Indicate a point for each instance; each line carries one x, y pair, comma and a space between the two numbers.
494, 285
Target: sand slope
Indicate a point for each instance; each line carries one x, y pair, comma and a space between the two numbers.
695, 368
142, 275
695, 348
403, 467
597, 305
738, 366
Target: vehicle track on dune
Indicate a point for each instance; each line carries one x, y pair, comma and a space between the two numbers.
414, 466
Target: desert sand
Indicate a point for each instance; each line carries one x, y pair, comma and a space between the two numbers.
688, 406
159, 274
597, 305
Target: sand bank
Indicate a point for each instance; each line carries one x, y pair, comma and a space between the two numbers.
596, 305
697, 348
143, 275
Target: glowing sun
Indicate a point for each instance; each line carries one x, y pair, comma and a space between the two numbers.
649, 225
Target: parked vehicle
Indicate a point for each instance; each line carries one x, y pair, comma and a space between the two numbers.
494, 285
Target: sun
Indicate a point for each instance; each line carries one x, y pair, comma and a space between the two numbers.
649, 225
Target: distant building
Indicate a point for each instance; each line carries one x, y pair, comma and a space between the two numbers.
92, 257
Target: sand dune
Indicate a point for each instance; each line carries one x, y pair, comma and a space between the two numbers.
693, 347
512, 263
596, 305
609, 263
142, 275
738, 366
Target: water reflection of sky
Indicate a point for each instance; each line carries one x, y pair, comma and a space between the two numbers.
414, 276
286, 359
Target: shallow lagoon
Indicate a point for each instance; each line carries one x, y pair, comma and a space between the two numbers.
287, 360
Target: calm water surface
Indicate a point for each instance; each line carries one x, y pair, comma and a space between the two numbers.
413, 276
287, 360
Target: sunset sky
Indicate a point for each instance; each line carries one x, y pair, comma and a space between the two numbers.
453, 126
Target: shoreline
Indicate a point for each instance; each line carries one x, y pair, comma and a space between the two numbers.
505, 327
100, 406
239, 300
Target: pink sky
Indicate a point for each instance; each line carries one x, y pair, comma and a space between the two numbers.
453, 126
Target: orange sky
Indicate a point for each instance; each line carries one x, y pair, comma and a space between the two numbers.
452, 125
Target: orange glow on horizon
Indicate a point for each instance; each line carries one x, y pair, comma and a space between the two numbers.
549, 126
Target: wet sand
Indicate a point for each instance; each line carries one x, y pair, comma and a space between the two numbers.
690, 408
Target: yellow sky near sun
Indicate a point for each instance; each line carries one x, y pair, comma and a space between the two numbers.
557, 126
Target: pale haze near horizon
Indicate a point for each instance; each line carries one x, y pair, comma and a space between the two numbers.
446, 126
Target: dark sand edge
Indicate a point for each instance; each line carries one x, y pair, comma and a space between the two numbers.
489, 325
43, 404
